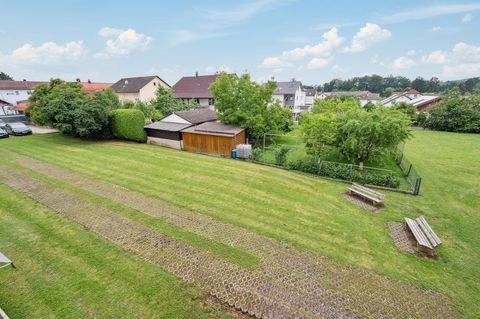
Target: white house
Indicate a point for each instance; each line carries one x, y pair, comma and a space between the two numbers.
398, 97
291, 95
15, 91
196, 88
138, 88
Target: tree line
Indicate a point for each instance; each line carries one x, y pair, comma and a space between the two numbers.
385, 86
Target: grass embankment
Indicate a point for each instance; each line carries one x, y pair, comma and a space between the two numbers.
308, 212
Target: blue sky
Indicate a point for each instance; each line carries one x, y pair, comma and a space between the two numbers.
308, 40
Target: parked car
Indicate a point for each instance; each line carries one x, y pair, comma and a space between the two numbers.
3, 134
2, 124
18, 129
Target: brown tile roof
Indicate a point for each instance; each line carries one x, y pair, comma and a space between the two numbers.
133, 85
19, 85
194, 86
215, 128
197, 116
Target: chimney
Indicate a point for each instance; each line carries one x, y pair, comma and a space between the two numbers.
196, 74
89, 81
293, 79
78, 80
24, 80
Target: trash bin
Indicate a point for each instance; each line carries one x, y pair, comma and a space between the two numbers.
234, 154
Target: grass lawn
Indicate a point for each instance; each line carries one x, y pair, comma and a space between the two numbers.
306, 212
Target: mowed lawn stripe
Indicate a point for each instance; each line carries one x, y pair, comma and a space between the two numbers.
314, 216
246, 202
64, 271
229, 253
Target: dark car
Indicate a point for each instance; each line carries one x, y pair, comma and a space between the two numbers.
3, 134
18, 129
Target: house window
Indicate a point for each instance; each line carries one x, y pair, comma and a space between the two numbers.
197, 101
154, 83
29, 92
210, 101
17, 93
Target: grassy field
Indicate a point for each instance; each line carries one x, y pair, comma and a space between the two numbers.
306, 212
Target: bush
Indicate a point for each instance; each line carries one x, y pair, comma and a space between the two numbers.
345, 172
281, 155
128, 124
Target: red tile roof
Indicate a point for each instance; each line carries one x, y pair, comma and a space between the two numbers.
22, 105
92, 87
194, 86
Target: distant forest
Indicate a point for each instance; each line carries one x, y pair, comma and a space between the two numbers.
386, 85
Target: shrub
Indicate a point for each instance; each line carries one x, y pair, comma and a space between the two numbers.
128, 124
281, 155
345, 172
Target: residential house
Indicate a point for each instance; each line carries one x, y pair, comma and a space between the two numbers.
6, 108
196, 88
141, 88
363, 97
422, 102
310, 96
15, 91
291, 94
168, 131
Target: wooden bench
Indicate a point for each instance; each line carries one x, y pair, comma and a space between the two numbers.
424, 235
369, 194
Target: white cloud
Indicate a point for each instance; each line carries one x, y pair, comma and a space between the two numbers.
432, 11
376, 60
403, 62
467, 18
466, 52
459, 71
123, 42
46, 53
368, 35
330, 41
411, 53
318, 63
435, 57
435, 29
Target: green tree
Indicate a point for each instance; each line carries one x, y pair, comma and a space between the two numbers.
240, 101
336, 105
149, 111
5, 76
362, 135
407, 109
318, 131
69, 109
39, 99
166, 103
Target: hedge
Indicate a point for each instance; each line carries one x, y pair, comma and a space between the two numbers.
128, 124
344, 171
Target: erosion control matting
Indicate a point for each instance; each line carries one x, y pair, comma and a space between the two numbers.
288, 284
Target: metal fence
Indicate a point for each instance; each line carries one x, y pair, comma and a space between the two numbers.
410, 173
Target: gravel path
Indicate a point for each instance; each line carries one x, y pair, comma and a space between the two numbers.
288, 284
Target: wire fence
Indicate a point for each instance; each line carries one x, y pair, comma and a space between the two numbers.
289, 152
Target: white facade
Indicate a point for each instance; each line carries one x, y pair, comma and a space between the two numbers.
13, 96
396, 99
146, 93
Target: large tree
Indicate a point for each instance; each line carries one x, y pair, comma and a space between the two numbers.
166, 103
241, 101
5, 76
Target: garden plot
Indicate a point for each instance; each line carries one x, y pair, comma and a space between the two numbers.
288, 283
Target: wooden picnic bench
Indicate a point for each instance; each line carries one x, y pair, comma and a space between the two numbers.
369, 194
424, 235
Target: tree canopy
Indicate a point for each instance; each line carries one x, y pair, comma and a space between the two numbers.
356, 133
5, 76
166, 103
240, 101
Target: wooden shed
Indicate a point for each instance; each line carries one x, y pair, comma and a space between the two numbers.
213, 138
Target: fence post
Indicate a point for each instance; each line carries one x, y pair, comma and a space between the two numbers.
319, 170
351, 172
400, 158
418, 182
263, 142
409, 169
